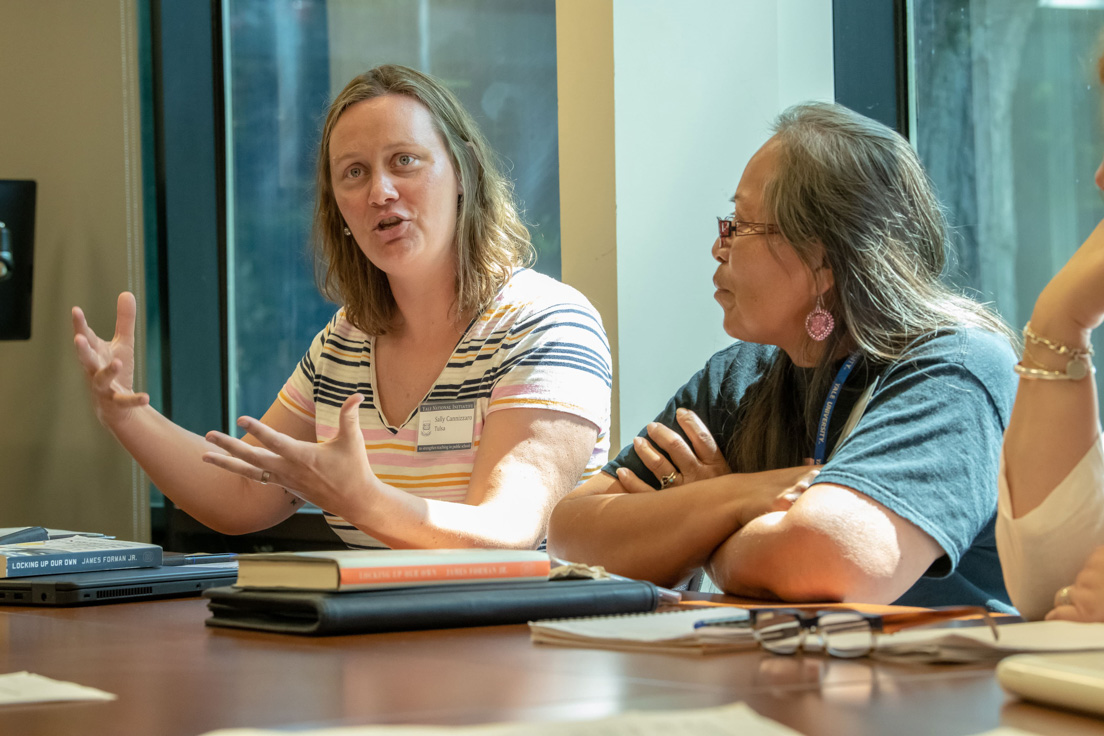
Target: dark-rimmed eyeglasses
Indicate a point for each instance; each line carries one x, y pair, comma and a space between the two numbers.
839, 632
730, 227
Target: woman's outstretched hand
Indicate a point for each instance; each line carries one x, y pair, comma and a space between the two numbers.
334, 475
109, 366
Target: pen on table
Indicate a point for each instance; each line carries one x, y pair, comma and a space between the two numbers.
30, 534
173, 559
730, 621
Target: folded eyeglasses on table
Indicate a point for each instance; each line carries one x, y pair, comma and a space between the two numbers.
839, 632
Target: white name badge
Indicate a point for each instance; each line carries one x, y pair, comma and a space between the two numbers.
446, 426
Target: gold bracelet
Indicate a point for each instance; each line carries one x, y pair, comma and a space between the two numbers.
1057, 347
1076, 369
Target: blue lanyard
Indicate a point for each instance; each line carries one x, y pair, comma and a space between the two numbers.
830, 406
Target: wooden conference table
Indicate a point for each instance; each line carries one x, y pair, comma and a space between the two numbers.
174, 676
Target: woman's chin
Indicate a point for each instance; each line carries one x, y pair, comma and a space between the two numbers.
734, 329
393, 258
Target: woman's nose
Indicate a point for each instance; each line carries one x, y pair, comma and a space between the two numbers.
720, 253
382, 189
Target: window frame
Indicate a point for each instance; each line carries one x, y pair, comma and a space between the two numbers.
870, 48
189, 306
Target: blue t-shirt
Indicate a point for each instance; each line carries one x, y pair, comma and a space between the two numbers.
927, 446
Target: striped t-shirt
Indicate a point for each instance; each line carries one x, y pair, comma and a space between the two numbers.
540, 344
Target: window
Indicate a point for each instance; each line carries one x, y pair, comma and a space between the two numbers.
1007, 119
284, 61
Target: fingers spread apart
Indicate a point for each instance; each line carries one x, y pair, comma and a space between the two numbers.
244, 459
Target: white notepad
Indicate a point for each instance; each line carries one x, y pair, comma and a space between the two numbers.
669, 632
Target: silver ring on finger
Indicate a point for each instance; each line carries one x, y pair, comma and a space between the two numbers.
1062, 597
265, 476
668, 480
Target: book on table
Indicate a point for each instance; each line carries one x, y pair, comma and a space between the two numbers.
352, 570
75, 554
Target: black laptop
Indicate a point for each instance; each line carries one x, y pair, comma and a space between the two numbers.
115, 586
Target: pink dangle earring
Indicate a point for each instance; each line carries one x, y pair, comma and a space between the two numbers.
819, 323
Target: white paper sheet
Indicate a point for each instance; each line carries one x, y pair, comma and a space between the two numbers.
976, 643
736, 719
26, 687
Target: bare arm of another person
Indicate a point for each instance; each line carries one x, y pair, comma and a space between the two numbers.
169, 454
1054, 423
663, 536
833, 544
1052, 485
527, 460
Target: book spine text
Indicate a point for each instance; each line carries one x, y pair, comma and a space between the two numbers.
80, 561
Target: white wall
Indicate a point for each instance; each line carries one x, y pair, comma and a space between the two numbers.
696, 85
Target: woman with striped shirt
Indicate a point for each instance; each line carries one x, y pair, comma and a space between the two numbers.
395, 421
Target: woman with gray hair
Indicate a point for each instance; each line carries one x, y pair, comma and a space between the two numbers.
454, 397
845, 447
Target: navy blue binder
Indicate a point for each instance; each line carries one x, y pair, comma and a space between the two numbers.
429, 607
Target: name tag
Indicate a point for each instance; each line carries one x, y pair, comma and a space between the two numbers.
446, 426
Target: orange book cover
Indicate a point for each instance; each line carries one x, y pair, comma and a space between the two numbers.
445, 573
344, 570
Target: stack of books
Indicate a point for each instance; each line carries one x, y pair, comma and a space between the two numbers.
369, 591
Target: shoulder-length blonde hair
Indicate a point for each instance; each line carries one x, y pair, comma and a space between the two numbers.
856, 188
491, 239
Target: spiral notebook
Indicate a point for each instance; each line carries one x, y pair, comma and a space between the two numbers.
671, 632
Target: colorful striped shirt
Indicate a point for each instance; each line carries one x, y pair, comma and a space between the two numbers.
540, 344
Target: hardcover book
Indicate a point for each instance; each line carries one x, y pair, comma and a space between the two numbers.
349, 570
75, 554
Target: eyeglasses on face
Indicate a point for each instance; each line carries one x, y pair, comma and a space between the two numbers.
844, 633
730, 227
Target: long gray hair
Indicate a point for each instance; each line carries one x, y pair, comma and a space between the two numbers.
857, 188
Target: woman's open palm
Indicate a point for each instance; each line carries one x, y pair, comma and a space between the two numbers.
109, 365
